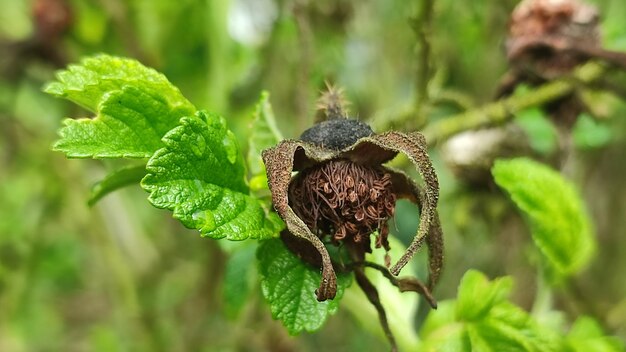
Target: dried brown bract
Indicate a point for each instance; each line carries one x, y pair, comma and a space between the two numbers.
342, 193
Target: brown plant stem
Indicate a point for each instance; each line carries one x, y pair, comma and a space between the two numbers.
404, 284
371, 293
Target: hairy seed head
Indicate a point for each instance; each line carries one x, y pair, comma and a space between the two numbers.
345, 200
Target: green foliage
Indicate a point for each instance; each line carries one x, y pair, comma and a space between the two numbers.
482, 319
199, 175
265, 134
238, 277
135, 107
115, 180
590, 134
114, 277
586, 335
289, 286
87, 83
541, 133
477, 296
559, 224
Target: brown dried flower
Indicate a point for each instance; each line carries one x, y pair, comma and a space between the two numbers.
342, 191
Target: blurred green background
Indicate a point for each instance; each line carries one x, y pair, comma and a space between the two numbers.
124, 276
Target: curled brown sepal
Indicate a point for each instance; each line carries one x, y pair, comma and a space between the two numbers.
279, 165
405, 188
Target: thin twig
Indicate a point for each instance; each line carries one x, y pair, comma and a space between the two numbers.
422, 26
305, 47
370, 291
403, 284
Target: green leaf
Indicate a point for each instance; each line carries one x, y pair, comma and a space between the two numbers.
289, 286
494, 324
121, 178
509, 328
265, 134
135, 107
238, 277
454, 338
541, 132
87, 83
590, 134
586, 335
477, 295
559, 224
199, 174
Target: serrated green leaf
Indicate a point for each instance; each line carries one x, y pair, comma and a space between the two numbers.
509, 328
265, 134
289, 286
237, 278
559, 224
135, 107
87, 83
586, 335
199, 175
130, 124
120, 178
477, 295
494, 325
497, 336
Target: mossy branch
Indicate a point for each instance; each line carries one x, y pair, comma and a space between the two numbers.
505, 109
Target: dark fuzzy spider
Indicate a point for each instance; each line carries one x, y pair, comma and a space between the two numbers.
342, 190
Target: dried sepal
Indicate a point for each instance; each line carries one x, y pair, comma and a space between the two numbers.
406, 188
413, 145
279, 165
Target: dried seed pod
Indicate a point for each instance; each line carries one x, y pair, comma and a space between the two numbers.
329, 154
332, 217
342, 193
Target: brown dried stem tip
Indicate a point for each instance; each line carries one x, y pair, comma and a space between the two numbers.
343, 193
332, 103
